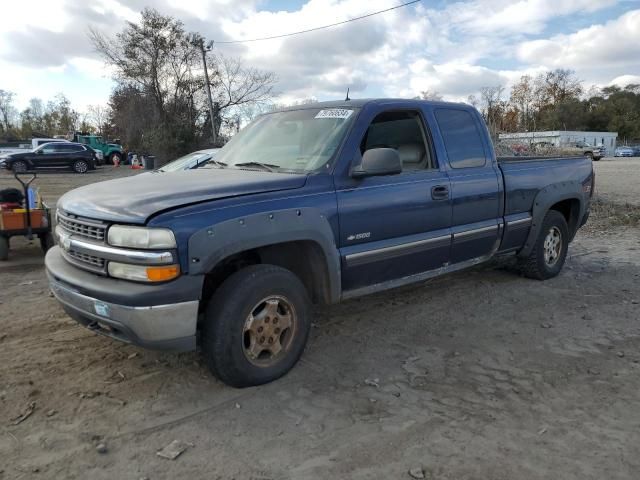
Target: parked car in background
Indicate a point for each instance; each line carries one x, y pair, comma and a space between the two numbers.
112, 152
53, 155
594, 153
190, 161
623, 152
636, 150
317, 203
26, 147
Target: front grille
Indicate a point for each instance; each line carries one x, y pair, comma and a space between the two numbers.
91, 229
90, 259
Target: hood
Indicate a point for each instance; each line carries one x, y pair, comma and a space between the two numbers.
135, 199
13, 156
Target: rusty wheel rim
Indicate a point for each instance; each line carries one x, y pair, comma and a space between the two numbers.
269, 331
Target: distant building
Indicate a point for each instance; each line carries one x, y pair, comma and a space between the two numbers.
562, 138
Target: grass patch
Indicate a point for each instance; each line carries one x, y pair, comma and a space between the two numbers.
605, 214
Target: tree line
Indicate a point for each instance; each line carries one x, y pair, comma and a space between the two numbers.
45, 119
557, 100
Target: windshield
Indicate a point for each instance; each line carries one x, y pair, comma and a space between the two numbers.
296, 141
186, 162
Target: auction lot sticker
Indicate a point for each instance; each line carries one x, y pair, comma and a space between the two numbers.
334, 113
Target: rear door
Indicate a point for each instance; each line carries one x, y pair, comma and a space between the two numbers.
65, 155
394, 226
476, 184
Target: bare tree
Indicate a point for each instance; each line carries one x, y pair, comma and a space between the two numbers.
235, 87
98, 117
7, 110
492, 107
158, 63
430, 95
522, 98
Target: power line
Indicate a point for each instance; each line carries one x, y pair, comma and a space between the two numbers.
320, 28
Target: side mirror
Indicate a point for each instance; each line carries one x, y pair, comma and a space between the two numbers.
39, 152
378, 161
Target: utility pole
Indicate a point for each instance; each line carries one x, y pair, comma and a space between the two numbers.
213, 112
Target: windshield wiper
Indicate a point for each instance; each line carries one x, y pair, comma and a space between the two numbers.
265, 166
216, 162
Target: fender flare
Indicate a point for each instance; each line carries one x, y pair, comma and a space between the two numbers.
544, 200
210, 245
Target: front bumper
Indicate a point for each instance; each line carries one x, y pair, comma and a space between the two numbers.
161, 316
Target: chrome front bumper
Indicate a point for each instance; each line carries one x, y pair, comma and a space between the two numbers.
166, 327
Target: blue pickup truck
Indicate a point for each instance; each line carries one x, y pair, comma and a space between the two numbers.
312, 204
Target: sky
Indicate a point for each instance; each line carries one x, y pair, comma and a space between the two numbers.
453, 48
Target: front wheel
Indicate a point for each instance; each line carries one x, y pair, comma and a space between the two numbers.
80, 166
550, 250
256, 326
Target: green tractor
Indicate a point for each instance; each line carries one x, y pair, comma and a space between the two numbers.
112, 151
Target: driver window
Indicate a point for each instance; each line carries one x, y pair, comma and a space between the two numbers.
48, 149
403, 131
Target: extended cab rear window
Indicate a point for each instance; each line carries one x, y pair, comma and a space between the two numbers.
461, 137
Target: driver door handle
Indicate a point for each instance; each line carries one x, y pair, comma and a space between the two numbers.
440, 192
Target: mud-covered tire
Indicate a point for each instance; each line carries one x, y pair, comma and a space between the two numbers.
80, 166
545, 260
227, 339
4, 248
46, 241
19, 166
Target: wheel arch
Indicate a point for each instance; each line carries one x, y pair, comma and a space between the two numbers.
300, 240
565, 197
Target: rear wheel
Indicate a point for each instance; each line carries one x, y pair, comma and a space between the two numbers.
4, 248
19, 166
256, 326
115, 158
550, 250
80, 166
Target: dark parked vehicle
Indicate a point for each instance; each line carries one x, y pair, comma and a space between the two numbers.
317, 203
54, 155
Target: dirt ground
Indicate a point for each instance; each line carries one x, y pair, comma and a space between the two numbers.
478, 375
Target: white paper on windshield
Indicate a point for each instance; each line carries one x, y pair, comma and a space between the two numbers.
334, 113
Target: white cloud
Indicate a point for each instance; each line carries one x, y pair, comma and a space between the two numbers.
454, 49
506, 17
615, 43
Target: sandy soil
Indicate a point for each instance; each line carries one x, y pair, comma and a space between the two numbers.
618, 179
478, 375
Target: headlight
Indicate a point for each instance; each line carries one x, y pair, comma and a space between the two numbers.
141, 237
142, 273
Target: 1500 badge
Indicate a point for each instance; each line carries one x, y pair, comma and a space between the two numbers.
359, 236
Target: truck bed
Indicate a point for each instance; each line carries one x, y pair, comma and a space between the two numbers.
525, 177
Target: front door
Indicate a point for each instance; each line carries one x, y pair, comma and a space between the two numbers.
394, 226
45, 156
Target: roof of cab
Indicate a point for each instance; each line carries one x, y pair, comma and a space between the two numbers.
361, 102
